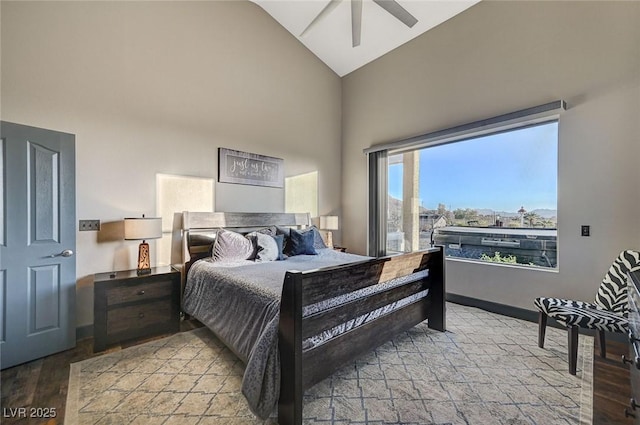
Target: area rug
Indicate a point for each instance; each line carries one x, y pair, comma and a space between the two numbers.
486, 369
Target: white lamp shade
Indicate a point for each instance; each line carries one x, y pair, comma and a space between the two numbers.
329, 222
142, 228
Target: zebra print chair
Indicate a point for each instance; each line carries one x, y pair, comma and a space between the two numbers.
607, 313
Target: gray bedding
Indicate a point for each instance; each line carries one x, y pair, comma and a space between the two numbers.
240, 302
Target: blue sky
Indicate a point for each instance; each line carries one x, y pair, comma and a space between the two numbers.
501, 172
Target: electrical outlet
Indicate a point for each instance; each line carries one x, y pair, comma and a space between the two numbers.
89, 225
586, 230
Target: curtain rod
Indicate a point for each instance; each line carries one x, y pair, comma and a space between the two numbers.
532, 115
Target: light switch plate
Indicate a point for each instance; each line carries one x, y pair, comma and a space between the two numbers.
89, 225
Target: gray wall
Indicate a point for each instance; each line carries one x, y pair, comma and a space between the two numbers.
499, 57
157, 87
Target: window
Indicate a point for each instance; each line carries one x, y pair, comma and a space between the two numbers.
301, 193
486, 191
489, 198
175, 194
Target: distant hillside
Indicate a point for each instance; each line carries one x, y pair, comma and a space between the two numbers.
395, 206
487, 211
548, 217
546, 213
542, 212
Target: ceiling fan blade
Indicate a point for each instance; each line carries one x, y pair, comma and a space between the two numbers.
356, 21
324, 12
399, 12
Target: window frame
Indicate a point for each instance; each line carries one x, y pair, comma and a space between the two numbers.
377, 160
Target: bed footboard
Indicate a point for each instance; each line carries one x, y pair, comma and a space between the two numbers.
412, 274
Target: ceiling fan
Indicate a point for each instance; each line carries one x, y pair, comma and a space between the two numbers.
391, 6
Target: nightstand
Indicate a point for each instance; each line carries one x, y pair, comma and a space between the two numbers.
127, 306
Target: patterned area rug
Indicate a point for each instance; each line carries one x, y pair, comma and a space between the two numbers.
486, 369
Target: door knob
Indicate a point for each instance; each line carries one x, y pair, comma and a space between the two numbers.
65, 253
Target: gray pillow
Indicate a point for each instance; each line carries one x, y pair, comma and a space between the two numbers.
286, 231
318, 242
231, 246
265, 246
280, 243
271, 230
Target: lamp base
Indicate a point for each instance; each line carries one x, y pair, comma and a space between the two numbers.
144, 261
327, 236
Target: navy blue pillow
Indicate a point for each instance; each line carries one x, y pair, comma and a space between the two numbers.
301, 243
286, 234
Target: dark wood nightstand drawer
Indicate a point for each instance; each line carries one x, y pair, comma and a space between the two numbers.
145, 291
140, 316
128, 306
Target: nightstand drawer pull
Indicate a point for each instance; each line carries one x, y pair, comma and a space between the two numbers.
141, 293
635, 362
141, 315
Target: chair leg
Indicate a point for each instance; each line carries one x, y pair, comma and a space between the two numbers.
542, 328
603, 346
573, 348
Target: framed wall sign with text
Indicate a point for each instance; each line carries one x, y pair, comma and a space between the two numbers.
249, 168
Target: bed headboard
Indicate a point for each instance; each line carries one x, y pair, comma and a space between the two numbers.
198, 229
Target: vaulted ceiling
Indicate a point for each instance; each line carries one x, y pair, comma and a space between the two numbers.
347, 34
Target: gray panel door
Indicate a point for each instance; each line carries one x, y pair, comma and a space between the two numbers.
37, 243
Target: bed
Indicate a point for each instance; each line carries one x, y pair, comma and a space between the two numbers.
295, 322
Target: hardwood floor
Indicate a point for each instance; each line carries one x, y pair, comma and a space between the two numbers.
43, 384
611, 385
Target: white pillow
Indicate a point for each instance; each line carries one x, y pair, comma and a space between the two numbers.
265, 246
231, 246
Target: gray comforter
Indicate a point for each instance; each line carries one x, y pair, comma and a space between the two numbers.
240, 302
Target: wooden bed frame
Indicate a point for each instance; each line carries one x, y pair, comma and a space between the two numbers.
301, 369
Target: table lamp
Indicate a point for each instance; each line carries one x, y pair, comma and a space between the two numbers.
327, 224
142, 228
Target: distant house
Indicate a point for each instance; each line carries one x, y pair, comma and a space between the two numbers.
430, 221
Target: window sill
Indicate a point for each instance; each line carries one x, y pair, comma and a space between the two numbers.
511, 266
